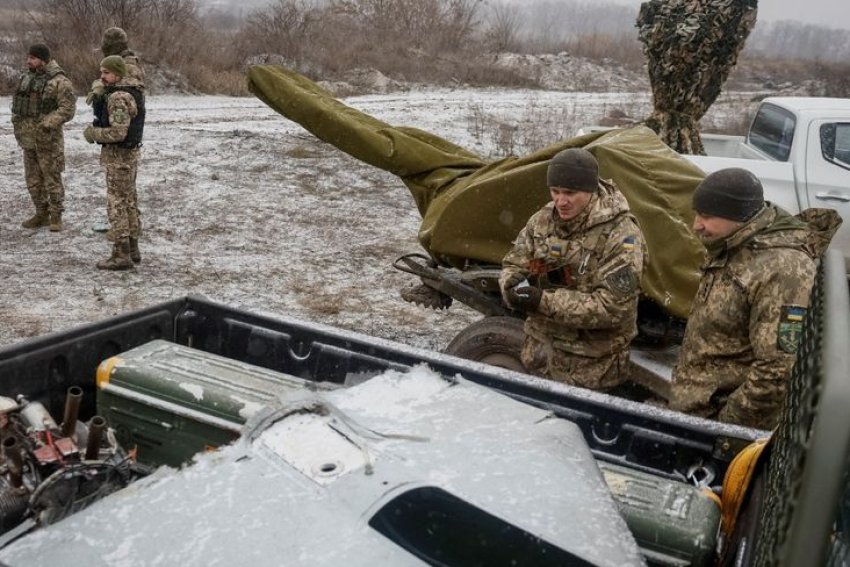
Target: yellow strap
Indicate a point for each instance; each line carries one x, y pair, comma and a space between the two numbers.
104, 370
737, 482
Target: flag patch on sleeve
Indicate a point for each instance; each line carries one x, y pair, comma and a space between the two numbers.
790, 328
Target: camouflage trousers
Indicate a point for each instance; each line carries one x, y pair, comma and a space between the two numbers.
43, 172
601, 374
122, 208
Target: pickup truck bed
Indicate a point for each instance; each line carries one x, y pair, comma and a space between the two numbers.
619, 431
802, 514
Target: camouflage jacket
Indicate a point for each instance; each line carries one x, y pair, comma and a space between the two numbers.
121, 109
741, 339
43, 102
135, 72
589, 269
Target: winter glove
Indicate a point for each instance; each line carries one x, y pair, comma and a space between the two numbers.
526, 298
514, 280
88, 134
97, 90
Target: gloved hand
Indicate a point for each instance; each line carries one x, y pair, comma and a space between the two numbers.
514, 280
526, 298
88, 134
97, 90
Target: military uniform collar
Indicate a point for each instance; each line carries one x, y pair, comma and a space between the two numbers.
719, 253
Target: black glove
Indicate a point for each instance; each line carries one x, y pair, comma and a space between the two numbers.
525, 298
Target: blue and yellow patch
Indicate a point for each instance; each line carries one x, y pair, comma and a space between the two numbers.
629, 243
556, 250
790, 328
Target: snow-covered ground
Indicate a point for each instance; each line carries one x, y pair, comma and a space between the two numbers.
244, 207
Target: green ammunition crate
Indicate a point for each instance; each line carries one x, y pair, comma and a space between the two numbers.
674, 524
169, 402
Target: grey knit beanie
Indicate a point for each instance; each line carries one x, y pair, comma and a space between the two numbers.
575, 169
733, 193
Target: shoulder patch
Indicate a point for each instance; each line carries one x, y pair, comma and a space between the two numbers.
622, 280
629, 243
790, 328
119, 117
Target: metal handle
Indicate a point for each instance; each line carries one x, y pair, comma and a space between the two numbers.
833, 197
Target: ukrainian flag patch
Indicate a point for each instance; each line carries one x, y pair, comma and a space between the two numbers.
790, 327
629, 243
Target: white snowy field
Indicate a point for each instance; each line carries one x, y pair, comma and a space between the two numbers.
245, 207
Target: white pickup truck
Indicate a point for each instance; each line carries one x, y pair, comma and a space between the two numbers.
800, 149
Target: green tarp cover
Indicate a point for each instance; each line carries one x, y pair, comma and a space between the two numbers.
472, 209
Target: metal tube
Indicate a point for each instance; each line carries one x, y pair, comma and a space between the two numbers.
14, 461
72, 410
97, 426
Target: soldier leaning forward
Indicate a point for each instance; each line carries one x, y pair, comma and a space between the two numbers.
582, 256
745, 323
43, 102
118, 126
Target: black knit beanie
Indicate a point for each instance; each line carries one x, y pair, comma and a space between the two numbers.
733, 193
575, 169
41, 51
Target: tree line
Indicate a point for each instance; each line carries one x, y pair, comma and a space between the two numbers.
436, 41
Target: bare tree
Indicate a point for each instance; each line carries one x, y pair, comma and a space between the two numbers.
162, 30
284, 28
503, 30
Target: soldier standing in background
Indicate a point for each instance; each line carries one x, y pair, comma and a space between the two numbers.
118, 126
114, 42
43, 102
745, 324
575, 271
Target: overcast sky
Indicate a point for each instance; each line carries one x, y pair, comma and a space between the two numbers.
831, 13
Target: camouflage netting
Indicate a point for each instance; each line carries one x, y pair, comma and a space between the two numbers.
690, 46
472, 209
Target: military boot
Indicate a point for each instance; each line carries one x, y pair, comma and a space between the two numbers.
120, 259
39, 219
135, 255
55, 222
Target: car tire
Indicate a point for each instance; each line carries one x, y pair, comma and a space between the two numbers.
492, 340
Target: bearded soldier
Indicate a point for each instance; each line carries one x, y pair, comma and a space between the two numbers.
745, 324
44, 101
118, 126
575, 271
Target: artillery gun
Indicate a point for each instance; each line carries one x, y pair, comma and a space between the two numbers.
472, 209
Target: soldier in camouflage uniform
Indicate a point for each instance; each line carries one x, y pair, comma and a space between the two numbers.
745, 323
118, 126
115, 43
575, 271
43, 102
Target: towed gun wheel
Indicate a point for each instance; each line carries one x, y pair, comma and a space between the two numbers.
492, 340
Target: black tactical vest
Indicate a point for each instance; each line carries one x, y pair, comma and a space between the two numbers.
137, 124
29, 101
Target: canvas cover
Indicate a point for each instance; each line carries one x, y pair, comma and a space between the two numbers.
472, 209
